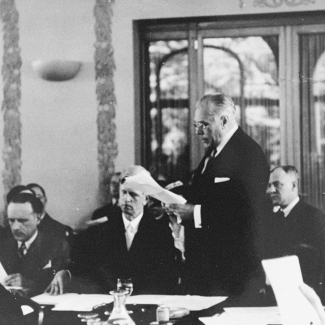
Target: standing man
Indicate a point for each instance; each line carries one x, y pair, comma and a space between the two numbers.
225, 203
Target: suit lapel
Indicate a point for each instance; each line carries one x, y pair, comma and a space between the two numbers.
140, 237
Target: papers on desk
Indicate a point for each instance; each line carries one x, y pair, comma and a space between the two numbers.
145, 183
83, 302
245, 316
189, 302
73, 301
285, 277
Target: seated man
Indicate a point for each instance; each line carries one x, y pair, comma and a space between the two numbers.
30, 258
133, 244
48, 225
295, 227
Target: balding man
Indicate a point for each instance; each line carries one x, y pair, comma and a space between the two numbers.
294, 227
131, 244
225, 201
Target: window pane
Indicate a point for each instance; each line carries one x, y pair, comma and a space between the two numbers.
246, 68
169, 110
312, 69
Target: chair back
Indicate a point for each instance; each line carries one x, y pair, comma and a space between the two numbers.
312, 266
36, 318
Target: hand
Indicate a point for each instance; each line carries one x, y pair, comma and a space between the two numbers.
17, 280
312, 297
185, 211
59, 283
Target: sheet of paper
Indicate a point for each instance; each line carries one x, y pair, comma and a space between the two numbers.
97, 221
3, 274
84, 302
26, 310
190, 302
47, 299
146, 184
245, 316
285, 277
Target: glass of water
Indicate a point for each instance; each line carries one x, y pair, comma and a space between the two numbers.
125, 284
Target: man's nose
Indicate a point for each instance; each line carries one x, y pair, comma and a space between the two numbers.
128, 197
199, 131
15, 225
270, 188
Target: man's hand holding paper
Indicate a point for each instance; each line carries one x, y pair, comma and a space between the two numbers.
183, 211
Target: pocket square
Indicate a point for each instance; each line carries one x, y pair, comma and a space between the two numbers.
48, 265
221, 179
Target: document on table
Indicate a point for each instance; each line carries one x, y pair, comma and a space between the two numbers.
245, 316
285, 277
146, 184
74, 301
189, 302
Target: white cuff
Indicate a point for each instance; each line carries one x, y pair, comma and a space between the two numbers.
197, 216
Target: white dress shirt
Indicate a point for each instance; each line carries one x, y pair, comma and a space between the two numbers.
28, 242
288, 208
131, 228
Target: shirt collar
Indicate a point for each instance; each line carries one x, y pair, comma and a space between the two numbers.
29, 241
288, 208
134, 223
226, 138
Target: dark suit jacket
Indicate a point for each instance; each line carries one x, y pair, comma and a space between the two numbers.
150, 262
10, 311
44, 258
222, 256
301, 233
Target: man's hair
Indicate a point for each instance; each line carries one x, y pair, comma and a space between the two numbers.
131, 171
216, 103
31, 185
36, 203
288, 169
15, 190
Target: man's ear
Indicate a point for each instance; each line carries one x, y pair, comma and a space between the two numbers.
224, 120
38, 218
295, 184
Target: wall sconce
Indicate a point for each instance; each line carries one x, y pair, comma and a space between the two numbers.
56, 70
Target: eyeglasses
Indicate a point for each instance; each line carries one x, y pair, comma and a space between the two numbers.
198, 125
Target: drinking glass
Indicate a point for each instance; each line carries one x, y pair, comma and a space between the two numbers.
125, 284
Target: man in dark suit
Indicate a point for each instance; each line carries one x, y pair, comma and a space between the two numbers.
48, 225
132, 244
225, 205
31, 259
295, 227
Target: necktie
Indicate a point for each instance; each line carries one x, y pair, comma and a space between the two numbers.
22, 250
279, 214
129, 234
207, 159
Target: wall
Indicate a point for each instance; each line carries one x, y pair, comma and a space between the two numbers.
59, 132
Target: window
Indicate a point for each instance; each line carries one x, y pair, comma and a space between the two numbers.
255, 60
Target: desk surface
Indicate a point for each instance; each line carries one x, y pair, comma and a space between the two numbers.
141, 315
